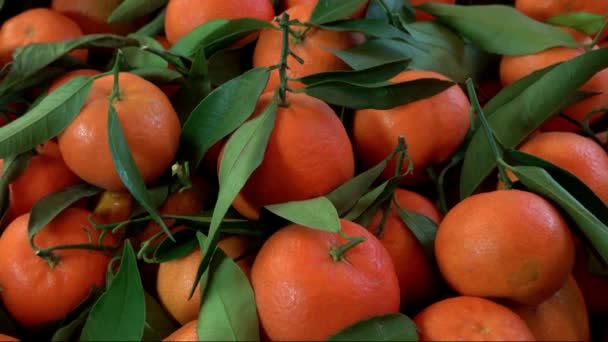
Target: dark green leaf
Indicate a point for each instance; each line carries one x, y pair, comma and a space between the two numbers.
217, 34
156, 195
540, 181
32, 58
127, 169
135, 57
133, 9
317, 213
196, 87
48, 207
366, 76
376, 96
392, 327
120, 313
371, 27
13, 166
522, 113
185, 242
158, 75
227, 64
367, 206
154, 26
68, 331
393, 11
485, 26
228, 311
586, 22
374, 52
47, 119
243, 154
327, 11
423, 228
220, 113
158, 324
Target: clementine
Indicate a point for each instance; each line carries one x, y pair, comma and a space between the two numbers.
185, 333
92, 15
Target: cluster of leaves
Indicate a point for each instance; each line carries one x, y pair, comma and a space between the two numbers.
461, 44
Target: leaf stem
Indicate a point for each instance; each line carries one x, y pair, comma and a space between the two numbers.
337, 252
53, 260
491, 136
285, 53
115, 95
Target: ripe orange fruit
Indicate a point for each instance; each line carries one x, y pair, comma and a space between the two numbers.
58, 82
417, 276
44, 174
149, 122
33, 291
579, 155
512, 68
431, 135
312, 47
423, 16
286, 4
303, 293
543, 10
175, 279
7, 338
505, 244
184, 16
32, 26
562, 317
92, 15
308, 155
470, 319
185, 333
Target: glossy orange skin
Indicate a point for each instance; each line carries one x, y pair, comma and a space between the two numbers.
303, 294
433, 128
308, 155
184, 16
418, 278
312, 49
149, 122
470, 319
562, 317
545, 9
506, 244
32, 26
92, 15
579, 155
187, 333
512, 68
33, 292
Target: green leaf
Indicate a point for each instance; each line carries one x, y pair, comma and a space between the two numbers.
217, 34
68, 331
46, 120
71, 325
358, 77
243, 154
377, 96
540, 181
120, 313
133, 9
485, 26
371, 27
374, 52
158, 75
196, 87
231, 63
220, 113
348, 194
48, 207
522, 113
228, 311
393, 11
135, 57
30, 59
154, 26
158, 324
12, 168
423, 228
185, 242
127, 169
317, 213
392, 327
327, 11
367, 206
586, 22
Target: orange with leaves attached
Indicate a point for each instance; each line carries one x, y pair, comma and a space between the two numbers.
35, 292
308, 155
63, 79
92, 15
32, 26
150, 124
183, 16
543, 10
505, 244
470, 319
431, 135
311, 45
418, 278
305, 290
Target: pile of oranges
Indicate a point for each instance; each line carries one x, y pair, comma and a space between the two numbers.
504, 263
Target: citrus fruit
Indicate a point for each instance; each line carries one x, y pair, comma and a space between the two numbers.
92, 15
304, 293
186, 333
505, 244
